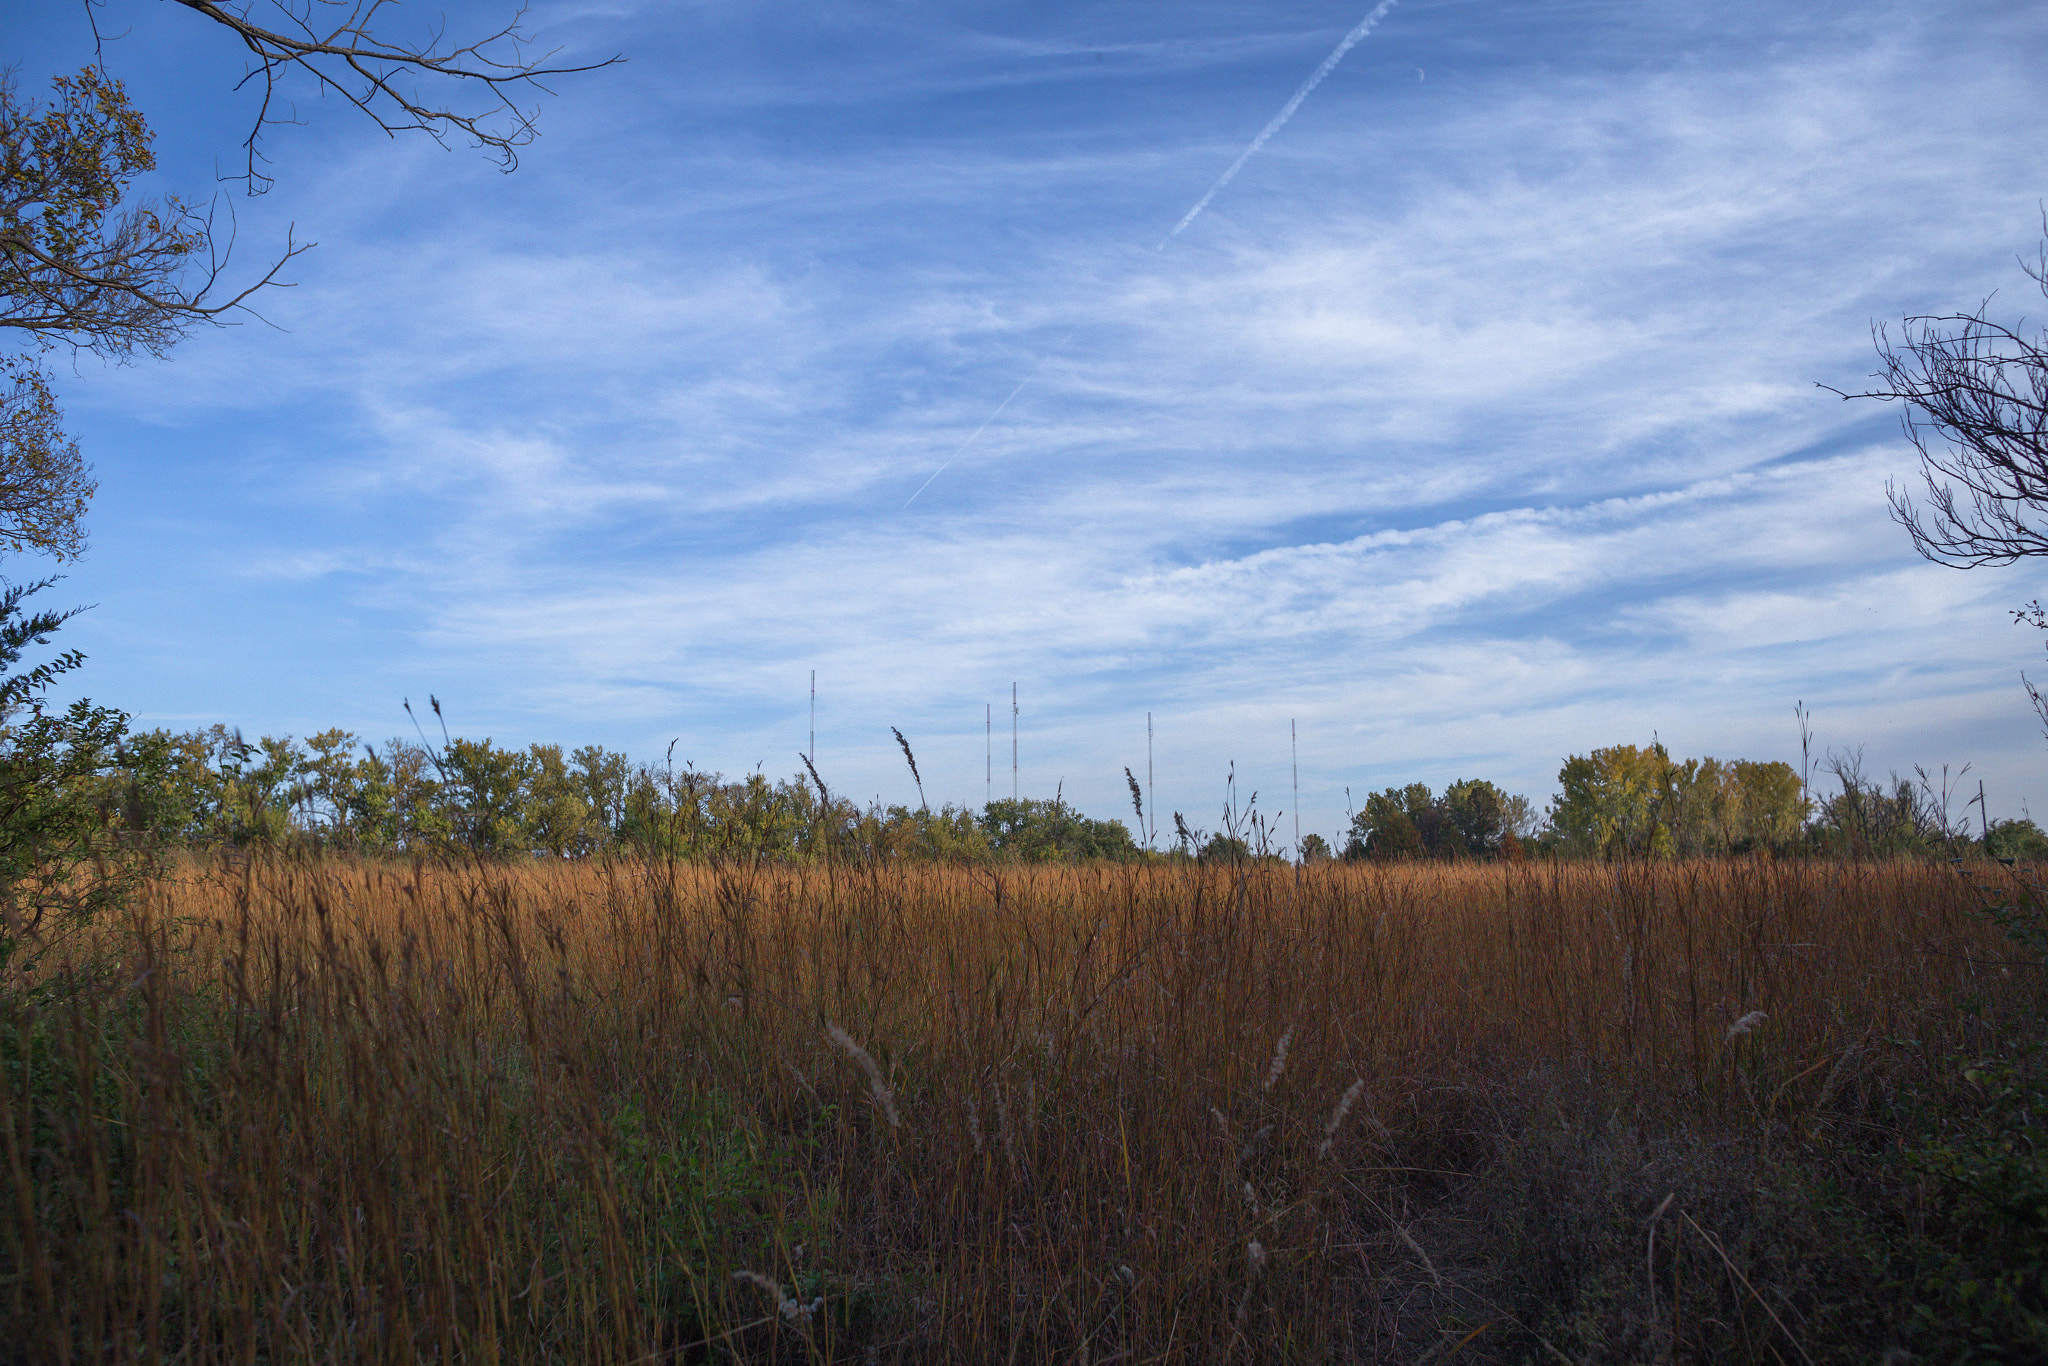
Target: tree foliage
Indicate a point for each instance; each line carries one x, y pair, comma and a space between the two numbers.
2018, 840
60, 861
45, 483
1471, 819
80, 265
1892, 818
474, 798
1038, 830
1626, 801
81, 262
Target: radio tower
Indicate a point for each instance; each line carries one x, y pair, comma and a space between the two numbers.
1294, 751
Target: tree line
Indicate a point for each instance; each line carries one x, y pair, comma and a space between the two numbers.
211, 788
1629, 801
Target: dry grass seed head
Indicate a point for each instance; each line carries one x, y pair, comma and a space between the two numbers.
879, 1088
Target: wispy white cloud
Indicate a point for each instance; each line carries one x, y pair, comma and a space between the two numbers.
1474, 426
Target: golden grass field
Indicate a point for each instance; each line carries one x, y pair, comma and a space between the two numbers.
324, 1110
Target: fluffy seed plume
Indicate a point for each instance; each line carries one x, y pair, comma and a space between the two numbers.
1279, 1064
1745, 1024
1835, 1074
884, 1097
790, 1307
1344, 1104
1003, 1128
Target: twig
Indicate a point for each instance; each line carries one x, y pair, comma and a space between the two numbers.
1736, 1271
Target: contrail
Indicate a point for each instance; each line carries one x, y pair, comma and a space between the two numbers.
1043, 361
1351, 40
977, 432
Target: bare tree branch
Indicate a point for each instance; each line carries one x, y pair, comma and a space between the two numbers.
337, 44
1976, 409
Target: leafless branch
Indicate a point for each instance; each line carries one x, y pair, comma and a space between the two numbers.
337, 44
1976, 409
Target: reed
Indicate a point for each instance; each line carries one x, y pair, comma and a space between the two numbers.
359, 1111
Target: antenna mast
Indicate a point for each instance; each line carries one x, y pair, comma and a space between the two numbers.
989, 741
813, 755
1294, 750
1151, 802
1013, 743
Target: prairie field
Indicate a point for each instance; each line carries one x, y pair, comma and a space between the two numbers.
568, 1111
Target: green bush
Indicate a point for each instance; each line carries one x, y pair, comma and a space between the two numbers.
61, 791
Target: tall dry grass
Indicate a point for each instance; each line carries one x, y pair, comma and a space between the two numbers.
555, 1112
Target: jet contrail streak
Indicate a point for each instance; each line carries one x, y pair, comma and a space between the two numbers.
1351, 40
977, 432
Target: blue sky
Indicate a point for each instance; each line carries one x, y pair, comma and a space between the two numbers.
1472, 425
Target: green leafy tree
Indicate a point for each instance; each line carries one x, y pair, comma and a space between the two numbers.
266, 791
753, 818
558, 820
1766, 807
154, 794
354, 802
485, 788
1625, 801
950, 834
1384, 829
1615, 802
1478, 811
1440, 838
2017, 839
1472, 819
387, 802
221, 789
1037, 830
45, 483
603, 779
1222, 848
60, 860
